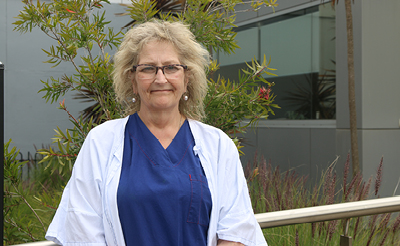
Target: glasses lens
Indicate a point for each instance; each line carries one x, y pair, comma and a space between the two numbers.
146, 69
149, 71
171, 69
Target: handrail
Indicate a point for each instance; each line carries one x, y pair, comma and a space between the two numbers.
42, 243
312, 214
329, 212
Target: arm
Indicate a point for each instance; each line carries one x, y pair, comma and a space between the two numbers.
79, 215
236, 218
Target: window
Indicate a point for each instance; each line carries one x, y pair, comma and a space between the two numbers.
301, 45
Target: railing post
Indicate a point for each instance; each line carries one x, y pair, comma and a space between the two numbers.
346, 240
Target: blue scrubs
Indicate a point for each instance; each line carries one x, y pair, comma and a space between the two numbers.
163, 196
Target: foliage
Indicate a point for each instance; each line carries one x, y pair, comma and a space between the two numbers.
79, 27
242, 100
28, 205
68, 144
271, 190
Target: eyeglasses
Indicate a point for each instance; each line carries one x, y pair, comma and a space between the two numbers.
147, 71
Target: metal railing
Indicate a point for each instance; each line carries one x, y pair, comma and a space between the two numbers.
329, 212
43, 243
314, 214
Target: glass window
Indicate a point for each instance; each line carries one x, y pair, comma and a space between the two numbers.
248, 42
301, 45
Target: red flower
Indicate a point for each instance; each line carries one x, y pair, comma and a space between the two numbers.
71, 11
264, 93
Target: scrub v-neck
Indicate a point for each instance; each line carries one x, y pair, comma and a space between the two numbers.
163, 196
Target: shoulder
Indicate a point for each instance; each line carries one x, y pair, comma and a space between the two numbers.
203, 130
109, 128
210, 137
108, 134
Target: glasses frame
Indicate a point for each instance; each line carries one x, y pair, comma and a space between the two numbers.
159, 67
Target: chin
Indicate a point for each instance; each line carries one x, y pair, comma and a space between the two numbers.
164, 106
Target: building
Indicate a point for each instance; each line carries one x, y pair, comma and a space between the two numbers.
303, 37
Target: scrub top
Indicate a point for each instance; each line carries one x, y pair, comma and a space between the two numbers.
163, 196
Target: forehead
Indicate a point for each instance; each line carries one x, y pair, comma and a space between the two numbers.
158, 52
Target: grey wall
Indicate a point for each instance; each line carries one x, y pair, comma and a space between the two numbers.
305, 146
376, 51
380, 30
311, 148
283, 6
29, 121
380, 64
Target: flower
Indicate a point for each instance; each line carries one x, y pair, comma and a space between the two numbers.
264, 93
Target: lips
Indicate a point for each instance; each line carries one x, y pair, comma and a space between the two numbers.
161, 90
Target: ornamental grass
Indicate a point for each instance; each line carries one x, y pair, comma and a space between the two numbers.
274, 190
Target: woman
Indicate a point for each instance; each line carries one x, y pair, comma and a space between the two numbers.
158, 176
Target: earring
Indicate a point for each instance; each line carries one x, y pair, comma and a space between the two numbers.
185, 97
133, 99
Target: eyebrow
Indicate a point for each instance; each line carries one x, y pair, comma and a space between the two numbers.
168, 62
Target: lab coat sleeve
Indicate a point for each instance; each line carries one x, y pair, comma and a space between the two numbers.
78, 220
236, 217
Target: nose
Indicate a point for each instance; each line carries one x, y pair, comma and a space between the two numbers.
160, 76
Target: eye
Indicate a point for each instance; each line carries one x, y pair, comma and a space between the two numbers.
146, 69
171, 69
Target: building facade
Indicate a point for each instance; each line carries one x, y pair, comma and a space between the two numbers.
307, 43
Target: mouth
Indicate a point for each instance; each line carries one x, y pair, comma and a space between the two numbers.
160, 91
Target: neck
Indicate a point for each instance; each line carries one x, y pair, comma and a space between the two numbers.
164, 126
160, 120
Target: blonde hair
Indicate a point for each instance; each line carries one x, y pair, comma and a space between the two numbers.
190, 53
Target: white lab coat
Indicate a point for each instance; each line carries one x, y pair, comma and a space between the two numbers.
88, 211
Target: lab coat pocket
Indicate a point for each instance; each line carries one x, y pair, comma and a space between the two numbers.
197, 209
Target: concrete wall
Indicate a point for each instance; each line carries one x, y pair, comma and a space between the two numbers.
305, 146
376, 52
381, 90
28, 120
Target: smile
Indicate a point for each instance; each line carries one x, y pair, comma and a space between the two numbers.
161, 91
